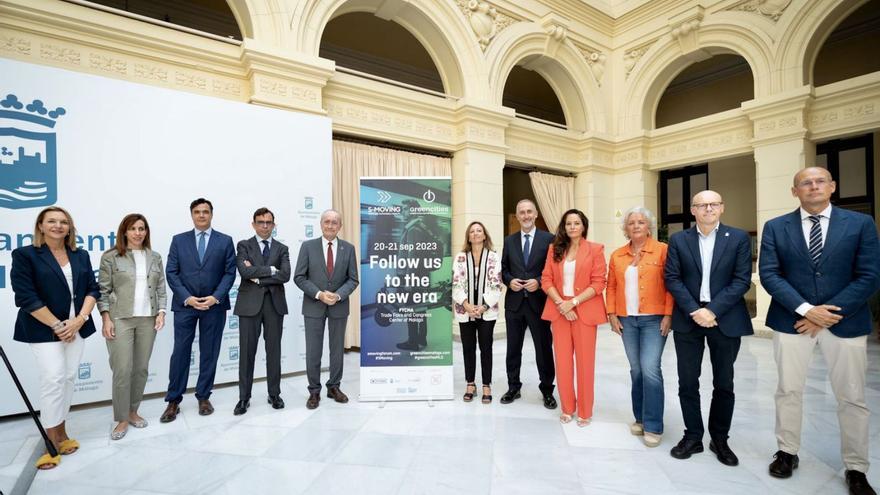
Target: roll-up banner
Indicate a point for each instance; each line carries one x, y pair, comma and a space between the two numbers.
406, 288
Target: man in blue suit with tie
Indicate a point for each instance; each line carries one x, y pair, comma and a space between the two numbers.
708, 271
200, 272
820, 265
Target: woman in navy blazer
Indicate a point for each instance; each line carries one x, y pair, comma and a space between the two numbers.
55, 291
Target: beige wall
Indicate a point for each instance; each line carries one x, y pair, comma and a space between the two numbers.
734, 179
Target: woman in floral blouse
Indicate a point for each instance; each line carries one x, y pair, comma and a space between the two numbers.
476, 290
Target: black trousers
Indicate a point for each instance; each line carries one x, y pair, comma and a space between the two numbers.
723, 350
471, 332
517, 323
249, 337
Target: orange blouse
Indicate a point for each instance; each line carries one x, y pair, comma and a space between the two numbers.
589, 272
654, 299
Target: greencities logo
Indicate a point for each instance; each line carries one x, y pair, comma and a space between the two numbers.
28, 159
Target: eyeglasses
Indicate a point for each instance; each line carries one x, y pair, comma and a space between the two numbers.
265, 223
810, 182
705, 206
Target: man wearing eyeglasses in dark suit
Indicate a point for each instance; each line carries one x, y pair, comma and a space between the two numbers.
708, 271
264, 265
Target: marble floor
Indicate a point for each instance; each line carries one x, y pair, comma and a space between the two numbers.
450, 446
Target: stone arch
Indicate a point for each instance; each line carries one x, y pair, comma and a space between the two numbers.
559, 62
440, 28
803, 37
665, 60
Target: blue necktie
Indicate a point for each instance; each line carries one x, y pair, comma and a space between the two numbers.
527, 249
815, 239
265, 251
201, 247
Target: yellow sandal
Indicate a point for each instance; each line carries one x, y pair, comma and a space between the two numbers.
68, 446
46, 462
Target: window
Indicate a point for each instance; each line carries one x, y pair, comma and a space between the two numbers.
851, 163
677, 187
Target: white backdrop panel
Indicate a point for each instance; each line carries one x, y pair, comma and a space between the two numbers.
124, 147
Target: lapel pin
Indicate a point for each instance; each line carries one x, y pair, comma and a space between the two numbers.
727, 234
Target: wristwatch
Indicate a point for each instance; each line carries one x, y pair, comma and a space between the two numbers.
85, 317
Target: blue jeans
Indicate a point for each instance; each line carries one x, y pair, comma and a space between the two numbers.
644, 348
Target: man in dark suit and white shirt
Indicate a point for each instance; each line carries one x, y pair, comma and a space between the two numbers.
200, 272
264, 265
327, 273
820, 264
522, 261
708, 271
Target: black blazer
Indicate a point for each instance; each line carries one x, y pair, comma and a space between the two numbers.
731, 276
512, 267
250, 295
38, 281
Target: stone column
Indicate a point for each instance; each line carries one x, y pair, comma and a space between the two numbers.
781, 149
478, 176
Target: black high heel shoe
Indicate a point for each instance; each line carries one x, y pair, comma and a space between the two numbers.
469, 392
487, 397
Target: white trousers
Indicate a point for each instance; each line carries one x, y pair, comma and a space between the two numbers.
58, 363
847, 367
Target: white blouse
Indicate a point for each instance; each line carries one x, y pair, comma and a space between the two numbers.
141, 301
68, 275
568, 278
631, 290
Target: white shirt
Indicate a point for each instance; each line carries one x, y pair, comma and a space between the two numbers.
568, 278
522, 239
631, 290
334, 248
707, 249
141, 301
207, 237
68, 275
806, 225
269, 239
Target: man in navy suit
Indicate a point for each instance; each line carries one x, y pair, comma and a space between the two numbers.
820, 265
525, 253
708, 271
200, 272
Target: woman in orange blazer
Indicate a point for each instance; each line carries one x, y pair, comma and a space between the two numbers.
574, 278
640, 311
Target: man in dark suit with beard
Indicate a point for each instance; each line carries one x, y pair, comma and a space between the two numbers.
522, 261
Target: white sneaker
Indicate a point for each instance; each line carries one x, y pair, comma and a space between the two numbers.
637, 429
652, 439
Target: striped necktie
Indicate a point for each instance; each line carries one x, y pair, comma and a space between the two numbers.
815, 246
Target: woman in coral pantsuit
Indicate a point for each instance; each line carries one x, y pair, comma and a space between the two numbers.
574, 278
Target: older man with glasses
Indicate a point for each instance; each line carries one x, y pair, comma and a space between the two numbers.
708, 271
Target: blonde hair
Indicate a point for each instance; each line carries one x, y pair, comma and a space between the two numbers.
69, 241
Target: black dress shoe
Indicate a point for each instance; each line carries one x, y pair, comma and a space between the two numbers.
723, 453
549, 402
241, 407
337, 395
510, 396
314, 400
686, 448
783, 464
858, 484
276, 401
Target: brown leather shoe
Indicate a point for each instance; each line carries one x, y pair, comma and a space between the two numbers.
205, 408
170, 413
337, 395
314, 400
